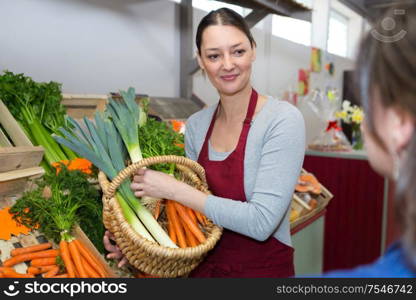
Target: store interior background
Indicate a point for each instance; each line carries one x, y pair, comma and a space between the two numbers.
97, 46
101, 46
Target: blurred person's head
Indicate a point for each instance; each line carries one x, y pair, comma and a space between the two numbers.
386, 73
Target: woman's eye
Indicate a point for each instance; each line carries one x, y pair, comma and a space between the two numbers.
239, 52
213, 56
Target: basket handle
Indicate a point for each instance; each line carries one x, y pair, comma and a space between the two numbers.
130, 170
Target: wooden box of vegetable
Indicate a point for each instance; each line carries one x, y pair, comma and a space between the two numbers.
47, 219
19, 158
31, 114
310, 198
83, 105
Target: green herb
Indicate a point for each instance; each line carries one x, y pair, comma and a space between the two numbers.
37, 108
72, 200
44, 98
158, 138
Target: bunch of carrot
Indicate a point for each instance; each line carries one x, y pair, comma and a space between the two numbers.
183, 225
76, 258
43, 261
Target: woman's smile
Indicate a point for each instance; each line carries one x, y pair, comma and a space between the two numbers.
230, 77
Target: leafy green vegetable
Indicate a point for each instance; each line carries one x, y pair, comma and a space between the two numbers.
158, 138
125, 116
37, 108
45, 98
73, 200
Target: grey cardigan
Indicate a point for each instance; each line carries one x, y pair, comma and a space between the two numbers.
273, 159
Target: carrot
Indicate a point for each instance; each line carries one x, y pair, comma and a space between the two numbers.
188, 221
76, 273
66, 257
190, 238
13, 274
171, 230
6, 268
76, 258
191, 214
51, 272
199, 217
41, 262
39, 270
29, 249
29, 256
65, 275
1, 275
95, 263
33, 270
176, 224
89, 269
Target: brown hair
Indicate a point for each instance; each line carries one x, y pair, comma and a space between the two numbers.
387, 64
223, 16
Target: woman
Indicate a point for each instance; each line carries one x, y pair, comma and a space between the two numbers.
386, 70
252, 149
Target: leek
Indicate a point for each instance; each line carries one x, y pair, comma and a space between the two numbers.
103, 146
131, 218
126, 116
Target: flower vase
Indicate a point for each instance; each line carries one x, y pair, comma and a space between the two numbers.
357, 137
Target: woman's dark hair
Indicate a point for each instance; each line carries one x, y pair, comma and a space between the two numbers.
223, 16
386, 65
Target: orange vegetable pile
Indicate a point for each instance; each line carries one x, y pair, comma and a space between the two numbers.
178, 126
308, 183
78, 262
9, 226
183, 225
81, 164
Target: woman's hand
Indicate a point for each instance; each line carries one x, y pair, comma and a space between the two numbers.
115, 252
154, 184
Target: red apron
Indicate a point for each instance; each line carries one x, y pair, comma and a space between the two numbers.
236, 255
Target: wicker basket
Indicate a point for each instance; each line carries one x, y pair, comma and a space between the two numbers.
323, 200
147, 256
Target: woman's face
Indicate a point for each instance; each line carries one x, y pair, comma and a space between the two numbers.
226, 56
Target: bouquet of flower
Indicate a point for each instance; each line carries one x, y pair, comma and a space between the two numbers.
325, 106
354, 115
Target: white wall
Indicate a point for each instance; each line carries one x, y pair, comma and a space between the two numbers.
93, 46
98, 46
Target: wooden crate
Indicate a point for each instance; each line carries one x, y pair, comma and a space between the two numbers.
82, 237
20, 163
19, 159
80, 105
35, 237
305, 212
83, 105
